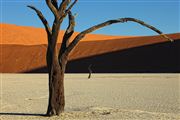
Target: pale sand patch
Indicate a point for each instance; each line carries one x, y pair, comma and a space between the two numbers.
104, 96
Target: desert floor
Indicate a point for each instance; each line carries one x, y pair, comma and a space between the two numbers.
103, 97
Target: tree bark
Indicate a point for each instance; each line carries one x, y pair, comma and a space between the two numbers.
56, 83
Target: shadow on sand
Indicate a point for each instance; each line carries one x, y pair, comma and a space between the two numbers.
22, 114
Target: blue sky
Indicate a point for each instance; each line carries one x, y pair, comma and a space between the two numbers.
163, 14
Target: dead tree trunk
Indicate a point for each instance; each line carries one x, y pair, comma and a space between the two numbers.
56, 84
57, 59
90, 71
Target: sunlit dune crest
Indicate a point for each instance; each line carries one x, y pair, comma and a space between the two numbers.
13, 34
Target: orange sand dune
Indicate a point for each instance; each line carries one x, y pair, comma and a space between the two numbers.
18, 57
13, 34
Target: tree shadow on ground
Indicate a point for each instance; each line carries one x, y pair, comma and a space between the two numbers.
21, 114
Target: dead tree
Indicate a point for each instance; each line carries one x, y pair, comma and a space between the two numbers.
90, 71
57, 58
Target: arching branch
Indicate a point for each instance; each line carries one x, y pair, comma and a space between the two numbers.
107, 23
42, 18
52, 8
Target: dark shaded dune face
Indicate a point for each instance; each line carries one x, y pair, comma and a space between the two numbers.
112, 56
156, 58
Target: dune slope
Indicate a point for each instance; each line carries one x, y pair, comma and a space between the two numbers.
22, 52
24, 35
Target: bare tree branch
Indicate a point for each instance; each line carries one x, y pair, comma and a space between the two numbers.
52, 8
63, 6
69, 30
65, 11
107, 23
70, 7
55, 3
42, 18
67, 35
